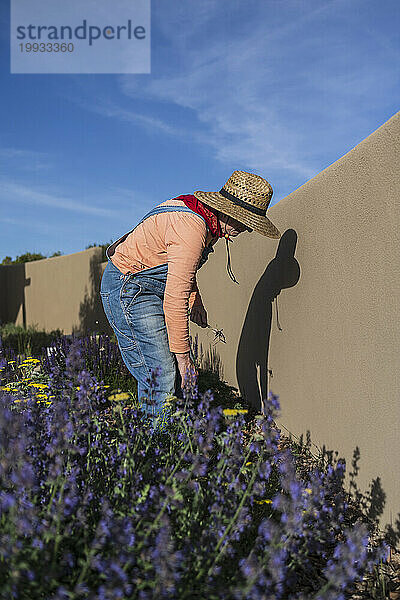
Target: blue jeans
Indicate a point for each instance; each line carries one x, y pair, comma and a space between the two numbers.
133, 304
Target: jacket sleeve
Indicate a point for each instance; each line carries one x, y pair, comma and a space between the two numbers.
185, 240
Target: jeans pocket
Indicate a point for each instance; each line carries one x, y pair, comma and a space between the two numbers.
122, 329
130, 290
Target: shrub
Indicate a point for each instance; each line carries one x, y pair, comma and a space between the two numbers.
29, 341
102, 504
27, 257
103, 249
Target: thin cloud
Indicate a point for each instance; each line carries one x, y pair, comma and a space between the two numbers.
14, 192
28, 225
125, 196
234, 119
256, 102
265, 92
231, 87
229, 100
152, 124
28, 160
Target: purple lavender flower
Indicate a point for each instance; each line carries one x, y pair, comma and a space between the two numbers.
103, 509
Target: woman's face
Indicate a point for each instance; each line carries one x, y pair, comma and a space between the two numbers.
231, 226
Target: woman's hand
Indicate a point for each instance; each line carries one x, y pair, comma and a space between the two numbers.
185, 365
198, 315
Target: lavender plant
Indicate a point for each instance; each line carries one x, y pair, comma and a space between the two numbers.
101, 356
99, 503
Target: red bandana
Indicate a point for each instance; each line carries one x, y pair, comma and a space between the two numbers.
208, 213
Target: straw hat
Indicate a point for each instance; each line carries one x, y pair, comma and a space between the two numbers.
245, 197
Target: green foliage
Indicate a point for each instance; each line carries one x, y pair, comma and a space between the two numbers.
31, 256
103, 248
103, 359
27, 257
211, 377
28, 341
224, 395
95, 504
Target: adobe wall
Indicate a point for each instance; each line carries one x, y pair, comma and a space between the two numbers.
315, 318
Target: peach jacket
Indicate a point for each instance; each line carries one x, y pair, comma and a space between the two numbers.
176, 238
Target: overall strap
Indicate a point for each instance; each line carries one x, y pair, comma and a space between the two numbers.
157, 210
162, 209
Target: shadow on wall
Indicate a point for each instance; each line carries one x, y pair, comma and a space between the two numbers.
252, 355
92, 318
14, 281
209, 359
371, 502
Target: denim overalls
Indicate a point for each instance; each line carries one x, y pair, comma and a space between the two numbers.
133, 304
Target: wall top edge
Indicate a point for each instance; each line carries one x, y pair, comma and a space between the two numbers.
391, 123
53, 258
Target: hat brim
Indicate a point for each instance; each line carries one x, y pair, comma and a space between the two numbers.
259, 223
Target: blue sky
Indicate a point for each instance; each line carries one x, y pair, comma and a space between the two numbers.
282, 88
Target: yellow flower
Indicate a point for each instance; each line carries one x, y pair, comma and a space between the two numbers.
40, 386
263, 501
121, 396
6, 389
41, 396
78, 387
10, 362
170, 399
248, 463
308, 490
106, 386
232, 412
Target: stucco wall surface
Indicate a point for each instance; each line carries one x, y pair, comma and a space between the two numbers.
55, 293
320, 307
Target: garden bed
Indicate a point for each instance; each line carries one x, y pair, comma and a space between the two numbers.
217, 503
